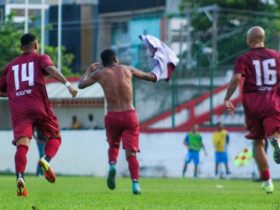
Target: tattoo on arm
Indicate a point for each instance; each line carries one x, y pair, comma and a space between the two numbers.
89, 78
143, 75
232, 87
52, 70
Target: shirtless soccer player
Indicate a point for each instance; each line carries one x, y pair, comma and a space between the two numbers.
23, 82
121, 121
260, 69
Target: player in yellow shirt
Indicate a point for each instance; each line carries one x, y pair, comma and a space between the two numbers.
220, 142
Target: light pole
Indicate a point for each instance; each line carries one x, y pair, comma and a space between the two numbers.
59, 33
214, 59
43, 27
26, 16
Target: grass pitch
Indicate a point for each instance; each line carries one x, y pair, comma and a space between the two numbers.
90, 193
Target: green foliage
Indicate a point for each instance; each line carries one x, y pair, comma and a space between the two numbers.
10, 33
91, 193
234, 18
254, 5
66, 60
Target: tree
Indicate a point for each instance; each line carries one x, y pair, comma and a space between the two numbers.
9, 41
10, 33
255, 5
234, 18
66, 61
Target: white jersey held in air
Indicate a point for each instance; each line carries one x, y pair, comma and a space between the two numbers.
164, 59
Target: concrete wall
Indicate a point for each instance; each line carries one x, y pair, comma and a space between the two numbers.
5, 122
65, 115
85, 153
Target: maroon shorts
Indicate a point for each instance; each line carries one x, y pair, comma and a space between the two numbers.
123, 126
262, 115
261, 128
23, 125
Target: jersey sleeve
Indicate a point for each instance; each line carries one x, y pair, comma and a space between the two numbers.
240, 67
45, 62
3, 81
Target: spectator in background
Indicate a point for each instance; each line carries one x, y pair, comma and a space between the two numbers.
91, 123
75, 124
41, 141
220, 142
193, 142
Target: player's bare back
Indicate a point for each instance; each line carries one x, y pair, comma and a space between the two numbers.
116, 81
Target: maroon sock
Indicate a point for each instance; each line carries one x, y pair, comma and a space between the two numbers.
20, 158
133, 167
113, 154
51, 147
265, 174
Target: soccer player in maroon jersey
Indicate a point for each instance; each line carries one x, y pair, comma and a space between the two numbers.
121, 121
260, 70
24, 84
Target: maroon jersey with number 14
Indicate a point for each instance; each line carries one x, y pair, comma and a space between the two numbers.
24, 82
260, 68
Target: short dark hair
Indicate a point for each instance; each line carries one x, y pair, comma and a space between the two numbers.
108, 56
27, 39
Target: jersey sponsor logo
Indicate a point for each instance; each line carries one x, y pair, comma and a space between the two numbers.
265, 89
24, 92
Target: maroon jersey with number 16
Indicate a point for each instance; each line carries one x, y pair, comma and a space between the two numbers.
260, 68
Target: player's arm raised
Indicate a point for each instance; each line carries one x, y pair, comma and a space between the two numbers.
90, 76
52, 70
231, 88
143, 75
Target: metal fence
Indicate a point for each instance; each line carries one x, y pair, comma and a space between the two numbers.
207, 41
206, 57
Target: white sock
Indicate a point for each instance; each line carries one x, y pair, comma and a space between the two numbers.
268, 182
